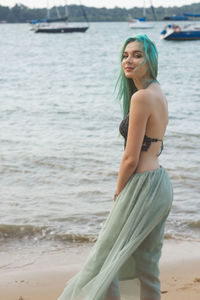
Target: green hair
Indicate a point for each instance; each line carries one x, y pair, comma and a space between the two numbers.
125, 85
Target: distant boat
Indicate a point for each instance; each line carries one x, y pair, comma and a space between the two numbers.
141, 23
176, 18
191, 15
58, 24
185, 17
178, 33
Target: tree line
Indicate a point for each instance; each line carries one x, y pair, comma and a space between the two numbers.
22, 14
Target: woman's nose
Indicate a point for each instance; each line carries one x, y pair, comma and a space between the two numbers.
129, 58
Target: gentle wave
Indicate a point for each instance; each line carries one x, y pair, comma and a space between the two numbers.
21, 232
194, 224
179, 237
37, 233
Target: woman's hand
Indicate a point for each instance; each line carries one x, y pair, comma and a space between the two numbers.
115, 196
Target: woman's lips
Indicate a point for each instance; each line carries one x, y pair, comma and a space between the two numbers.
128, 69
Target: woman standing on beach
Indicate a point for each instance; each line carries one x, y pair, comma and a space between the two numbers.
125, 257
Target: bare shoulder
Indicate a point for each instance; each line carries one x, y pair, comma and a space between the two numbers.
142, 97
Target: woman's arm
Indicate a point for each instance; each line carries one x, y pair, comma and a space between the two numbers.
140, 111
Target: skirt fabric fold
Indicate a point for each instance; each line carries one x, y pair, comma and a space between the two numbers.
125, 257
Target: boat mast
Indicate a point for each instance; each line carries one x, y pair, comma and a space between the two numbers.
66, 9
48, 11
84, 13
153, 11
144, 9
57, 11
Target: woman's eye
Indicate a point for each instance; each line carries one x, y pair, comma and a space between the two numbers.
125, 56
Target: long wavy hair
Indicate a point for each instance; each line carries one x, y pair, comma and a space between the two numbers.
126, 86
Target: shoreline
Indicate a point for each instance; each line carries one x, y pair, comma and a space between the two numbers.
43, 276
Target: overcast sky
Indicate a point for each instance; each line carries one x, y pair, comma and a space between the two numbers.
99, 3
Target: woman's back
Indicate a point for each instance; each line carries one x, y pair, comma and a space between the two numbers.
155, 128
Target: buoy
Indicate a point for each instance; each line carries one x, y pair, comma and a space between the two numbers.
177, 28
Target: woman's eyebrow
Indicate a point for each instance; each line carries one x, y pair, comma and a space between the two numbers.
134, 51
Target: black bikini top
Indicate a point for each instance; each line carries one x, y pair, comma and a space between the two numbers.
123, 129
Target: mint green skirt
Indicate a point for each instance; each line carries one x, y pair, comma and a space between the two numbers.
123, 263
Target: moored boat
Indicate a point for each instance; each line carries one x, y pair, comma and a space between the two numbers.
57, 25
60, 29
176, 18
141, 23
178, 33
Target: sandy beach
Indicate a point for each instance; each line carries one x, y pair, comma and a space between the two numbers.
43, 276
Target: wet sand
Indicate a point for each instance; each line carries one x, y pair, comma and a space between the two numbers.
43, 277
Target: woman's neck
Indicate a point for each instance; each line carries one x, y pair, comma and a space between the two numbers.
144, 84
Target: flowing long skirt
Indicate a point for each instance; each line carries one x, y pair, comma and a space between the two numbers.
123, 263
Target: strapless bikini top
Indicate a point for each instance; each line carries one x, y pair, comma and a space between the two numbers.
123, 129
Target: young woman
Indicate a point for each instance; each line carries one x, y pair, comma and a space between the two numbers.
126, 255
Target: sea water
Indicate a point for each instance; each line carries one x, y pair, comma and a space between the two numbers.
60, 144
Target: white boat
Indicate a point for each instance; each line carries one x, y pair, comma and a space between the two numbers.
141, 23
178, 33
57, 25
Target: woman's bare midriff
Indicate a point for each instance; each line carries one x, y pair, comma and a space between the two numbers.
148, 160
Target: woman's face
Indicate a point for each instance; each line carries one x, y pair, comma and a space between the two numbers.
133, 61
